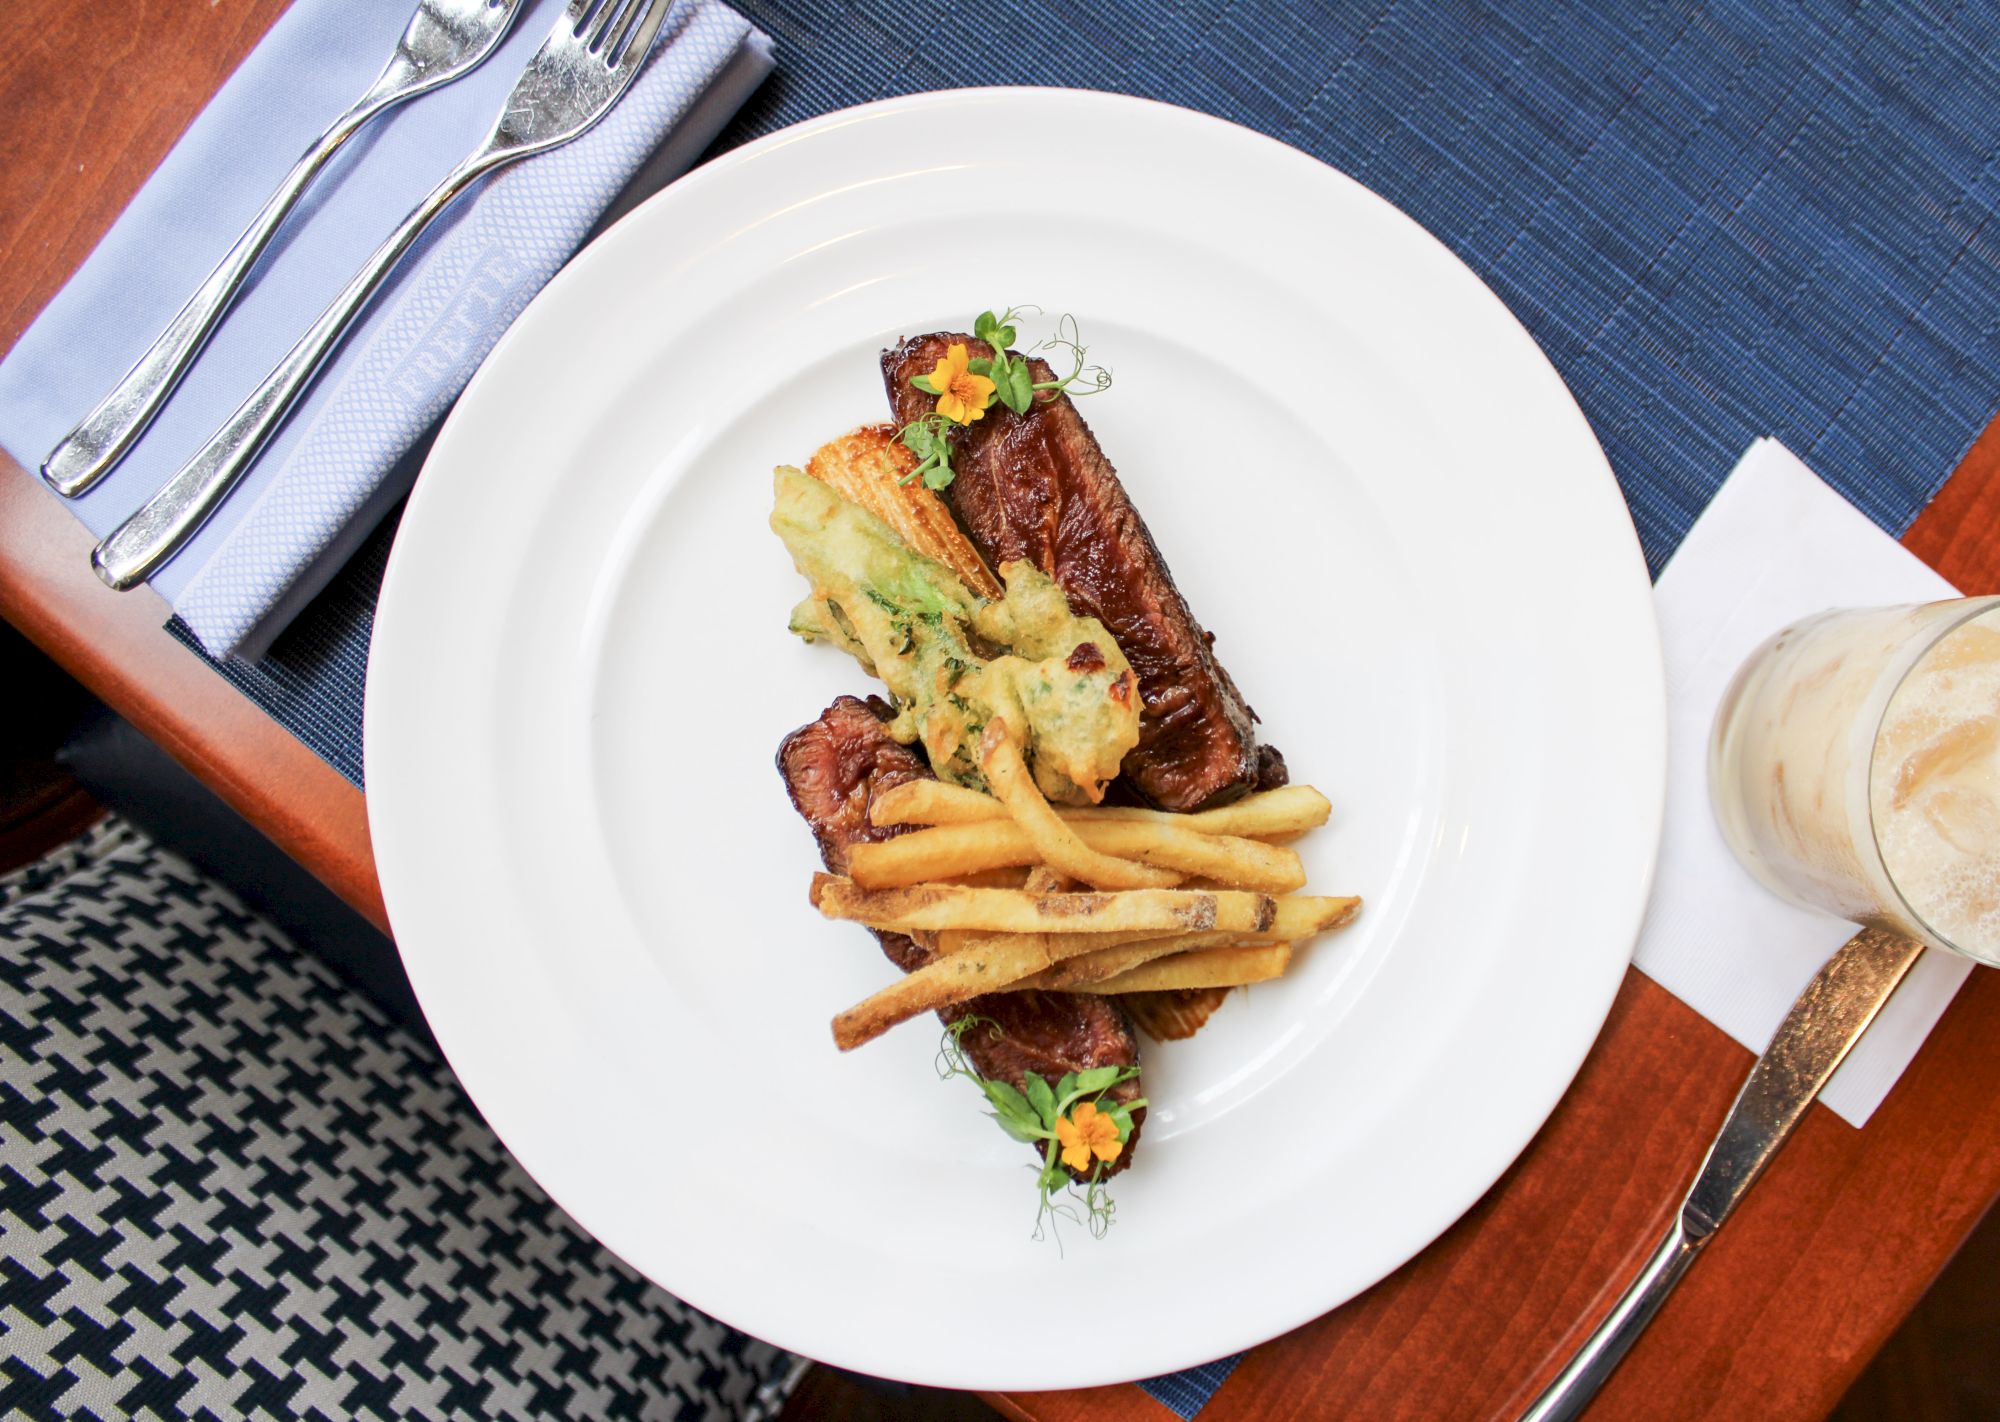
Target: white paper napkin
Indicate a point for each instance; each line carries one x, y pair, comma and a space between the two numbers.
1775, 545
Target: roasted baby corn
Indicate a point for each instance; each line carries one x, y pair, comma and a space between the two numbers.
866, 467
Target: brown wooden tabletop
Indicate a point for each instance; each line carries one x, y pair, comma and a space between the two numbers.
1824, 1259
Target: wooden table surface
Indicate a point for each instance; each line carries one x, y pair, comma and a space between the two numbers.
1823, 1260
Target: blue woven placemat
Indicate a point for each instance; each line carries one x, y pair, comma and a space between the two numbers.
1189, 1390
1720, 221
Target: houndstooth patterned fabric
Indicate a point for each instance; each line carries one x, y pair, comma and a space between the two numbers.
229, 1188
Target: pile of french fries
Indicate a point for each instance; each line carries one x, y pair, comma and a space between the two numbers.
1008, 892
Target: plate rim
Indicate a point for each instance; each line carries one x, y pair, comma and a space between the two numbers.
688, 189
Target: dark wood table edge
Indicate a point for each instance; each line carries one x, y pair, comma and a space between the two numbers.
117, 646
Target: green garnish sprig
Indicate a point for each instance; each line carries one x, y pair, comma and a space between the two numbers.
1033, 1116
929, 440
967, 390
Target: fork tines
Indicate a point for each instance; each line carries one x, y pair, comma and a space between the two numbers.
617, 30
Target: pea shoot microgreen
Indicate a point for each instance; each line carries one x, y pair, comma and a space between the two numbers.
1071, 1120
966, 386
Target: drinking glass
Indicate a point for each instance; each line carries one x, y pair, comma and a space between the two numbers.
1855, 768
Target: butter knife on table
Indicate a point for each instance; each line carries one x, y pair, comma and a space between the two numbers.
1822, 1026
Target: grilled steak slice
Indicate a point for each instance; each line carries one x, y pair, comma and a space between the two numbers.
1271, 769
1174, 1014
834, 767
1037, 486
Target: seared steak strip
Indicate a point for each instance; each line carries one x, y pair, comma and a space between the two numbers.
1037, 486
834, 768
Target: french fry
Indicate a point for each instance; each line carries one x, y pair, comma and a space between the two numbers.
1077, 973
1161, 911
944, 852
1009, 962
1207, 968
933, 802
1055, 843
1297, 918
1149, 911
1225, 859
957, 851
1288, 811
1010, 877
986, 966
1303, 915
968, 964
1044, 880
1004, 876
1061, 946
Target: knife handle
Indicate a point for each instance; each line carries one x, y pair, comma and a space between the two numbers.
1815, 1037
1574, 1387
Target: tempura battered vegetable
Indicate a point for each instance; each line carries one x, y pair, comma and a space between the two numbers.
1063, 685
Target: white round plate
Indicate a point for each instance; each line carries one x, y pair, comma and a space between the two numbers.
1372, 488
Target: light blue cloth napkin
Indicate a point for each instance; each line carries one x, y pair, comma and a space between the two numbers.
356, 440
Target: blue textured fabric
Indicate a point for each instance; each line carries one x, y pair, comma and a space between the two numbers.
312, 677
1189, 1390
1720, 220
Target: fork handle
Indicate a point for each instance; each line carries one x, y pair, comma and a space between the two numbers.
95, 446
132, 551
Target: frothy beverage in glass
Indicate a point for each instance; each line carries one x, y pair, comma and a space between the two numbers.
1934, 787
1855, 768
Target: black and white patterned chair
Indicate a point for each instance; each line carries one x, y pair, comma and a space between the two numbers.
231, 1188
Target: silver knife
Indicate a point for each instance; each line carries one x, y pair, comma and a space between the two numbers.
1816, 1035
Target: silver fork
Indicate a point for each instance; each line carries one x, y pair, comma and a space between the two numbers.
576, 76
445, 39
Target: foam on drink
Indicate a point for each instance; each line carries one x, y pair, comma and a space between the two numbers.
1855, 768
1934, 787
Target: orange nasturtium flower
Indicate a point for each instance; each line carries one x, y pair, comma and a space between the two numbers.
1086, 1131
962, 396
